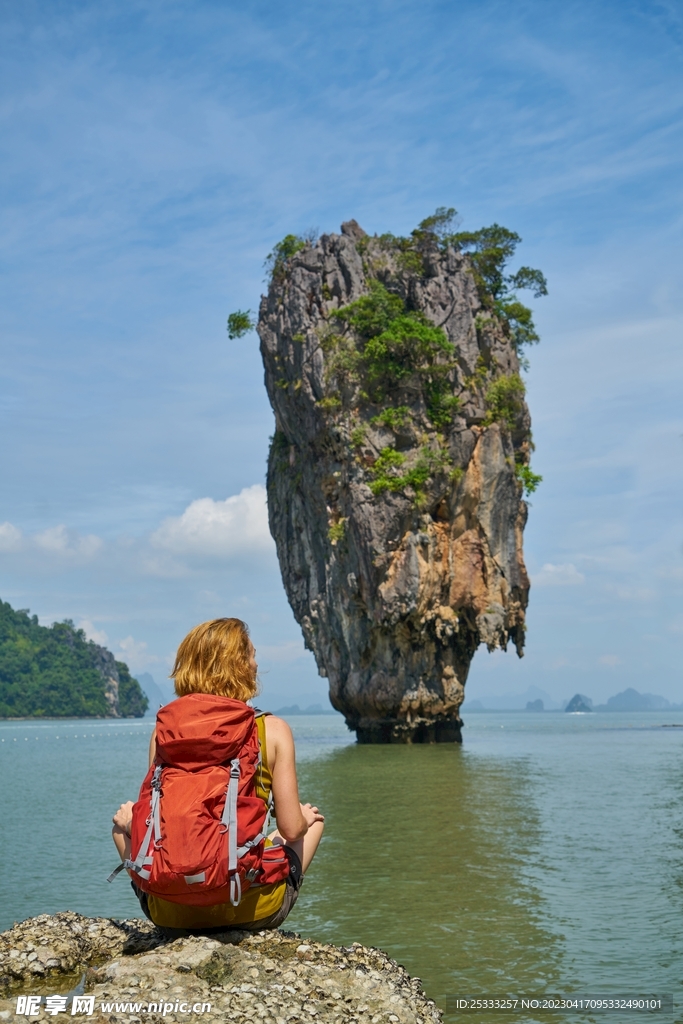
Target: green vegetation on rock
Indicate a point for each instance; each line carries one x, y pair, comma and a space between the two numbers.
505, 400
56, 672
528, 480
386, 347
337, 531
489, 251
387, 364
385, 475
240, 323
394, 417
276, 261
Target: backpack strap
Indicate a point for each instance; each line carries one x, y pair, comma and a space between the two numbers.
229, 819
259, 768
141, 862
119, 867
153, 828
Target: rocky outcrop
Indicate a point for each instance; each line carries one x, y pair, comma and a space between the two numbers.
105, 663
133, 972
394, 488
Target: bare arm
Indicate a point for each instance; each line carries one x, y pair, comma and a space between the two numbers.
293, 818
153, 747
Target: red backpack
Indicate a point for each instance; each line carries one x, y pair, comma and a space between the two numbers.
198, 829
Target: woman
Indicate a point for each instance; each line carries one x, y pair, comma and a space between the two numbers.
218, 658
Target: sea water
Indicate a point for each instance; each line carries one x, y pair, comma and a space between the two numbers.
544, 856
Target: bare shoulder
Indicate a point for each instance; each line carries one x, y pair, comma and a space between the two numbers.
277, 729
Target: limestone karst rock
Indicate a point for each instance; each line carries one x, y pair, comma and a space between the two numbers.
394, 488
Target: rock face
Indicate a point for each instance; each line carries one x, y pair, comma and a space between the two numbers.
394, 490
133, 972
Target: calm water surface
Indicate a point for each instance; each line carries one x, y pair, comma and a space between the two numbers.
543, 856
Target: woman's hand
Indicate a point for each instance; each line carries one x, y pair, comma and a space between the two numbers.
311, 814
124, 817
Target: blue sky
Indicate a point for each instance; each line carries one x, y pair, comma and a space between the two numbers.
151, 153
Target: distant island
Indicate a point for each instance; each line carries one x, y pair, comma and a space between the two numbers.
312, 709
627, 700
537, 700
631, 700
579, 705
56, 672
158, 694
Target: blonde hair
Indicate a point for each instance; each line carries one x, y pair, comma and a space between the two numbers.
214, 658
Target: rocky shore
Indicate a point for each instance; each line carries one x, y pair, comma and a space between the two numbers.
130, 971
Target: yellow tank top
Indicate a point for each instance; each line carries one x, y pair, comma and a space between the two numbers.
258, 902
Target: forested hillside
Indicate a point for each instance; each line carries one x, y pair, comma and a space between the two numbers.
56, 672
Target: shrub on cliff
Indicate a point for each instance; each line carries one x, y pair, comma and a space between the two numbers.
393, 345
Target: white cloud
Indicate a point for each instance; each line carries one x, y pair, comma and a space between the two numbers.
558, 576
219, 529
10, 537
609, 659
135, 654
162, 566
58, 540
633, 593
98, 636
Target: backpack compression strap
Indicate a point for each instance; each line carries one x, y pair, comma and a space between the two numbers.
229, 820
153, 828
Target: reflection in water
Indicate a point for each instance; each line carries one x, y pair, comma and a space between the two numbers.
425, 854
